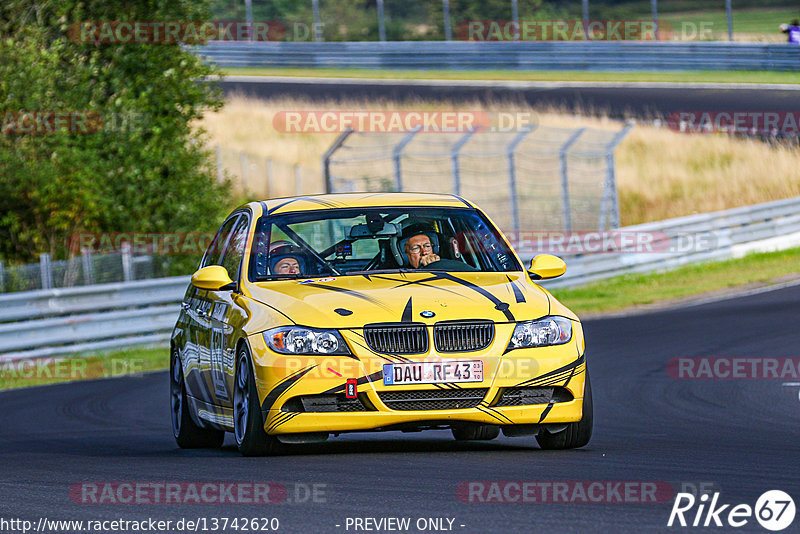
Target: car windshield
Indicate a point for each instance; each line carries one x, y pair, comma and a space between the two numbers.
372, 240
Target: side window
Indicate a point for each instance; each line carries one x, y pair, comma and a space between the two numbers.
214, 252
232, 256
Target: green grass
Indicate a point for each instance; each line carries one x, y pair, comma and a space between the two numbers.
52, 370
563, 75
610, 295
619, 293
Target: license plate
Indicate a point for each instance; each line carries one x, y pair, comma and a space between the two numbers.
395, 374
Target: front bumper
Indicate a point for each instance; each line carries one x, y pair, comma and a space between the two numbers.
281, 380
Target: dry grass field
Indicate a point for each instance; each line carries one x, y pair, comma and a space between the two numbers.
661, 173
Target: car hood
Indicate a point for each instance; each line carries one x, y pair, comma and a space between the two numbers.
427, 297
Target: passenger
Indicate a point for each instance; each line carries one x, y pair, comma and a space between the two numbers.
285, 258
287, 265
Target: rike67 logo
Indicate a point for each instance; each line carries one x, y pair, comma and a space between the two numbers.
774, 510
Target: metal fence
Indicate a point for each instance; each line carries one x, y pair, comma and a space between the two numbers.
80, 270
539, 178
109, 316
523, 55
398, 20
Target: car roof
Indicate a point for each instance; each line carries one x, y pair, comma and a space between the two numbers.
360, 200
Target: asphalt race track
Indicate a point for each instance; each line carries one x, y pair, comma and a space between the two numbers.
738, 437
617, 100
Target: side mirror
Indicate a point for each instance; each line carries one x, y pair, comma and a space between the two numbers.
546, 266
213, 277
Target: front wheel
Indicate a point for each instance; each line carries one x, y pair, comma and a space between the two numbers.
248, 425
187, 434
576, 434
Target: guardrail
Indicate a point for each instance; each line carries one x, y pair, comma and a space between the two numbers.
49, 322
714, 236
109, 316
509, 55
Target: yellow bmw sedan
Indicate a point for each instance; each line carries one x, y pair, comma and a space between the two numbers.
314, 316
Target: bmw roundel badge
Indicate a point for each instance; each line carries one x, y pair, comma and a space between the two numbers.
427, 314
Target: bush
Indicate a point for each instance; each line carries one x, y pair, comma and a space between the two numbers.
143, 170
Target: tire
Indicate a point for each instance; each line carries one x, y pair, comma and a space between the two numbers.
576, 434
187, 434
476, 432
248, 425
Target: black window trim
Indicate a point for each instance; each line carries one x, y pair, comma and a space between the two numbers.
241, 212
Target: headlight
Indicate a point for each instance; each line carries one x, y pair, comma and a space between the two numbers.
552, 330
300, 340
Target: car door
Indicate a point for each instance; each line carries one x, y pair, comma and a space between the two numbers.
198, 307
226, 317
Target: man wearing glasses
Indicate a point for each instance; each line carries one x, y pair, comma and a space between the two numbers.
420, 251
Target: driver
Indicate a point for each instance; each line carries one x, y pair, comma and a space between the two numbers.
419, 251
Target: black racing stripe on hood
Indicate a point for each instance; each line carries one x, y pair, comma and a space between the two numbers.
420, 283
517, 291
407, 312
352, 293
363, 380
283, 386
447, 276
479, 289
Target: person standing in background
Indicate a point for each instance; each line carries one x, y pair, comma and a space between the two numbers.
793, 30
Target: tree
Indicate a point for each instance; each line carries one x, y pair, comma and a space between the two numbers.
140, 165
